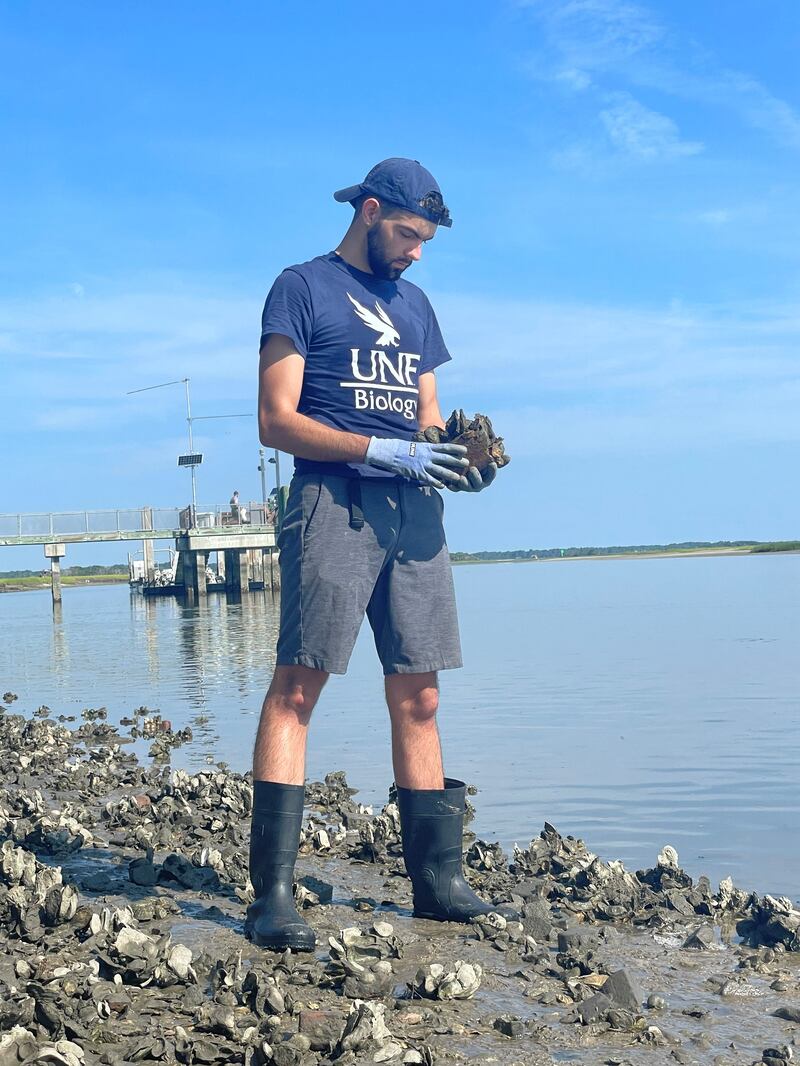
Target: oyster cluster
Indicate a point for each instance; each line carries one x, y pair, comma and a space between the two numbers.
132, 951
436, 981
483, 446
360, 963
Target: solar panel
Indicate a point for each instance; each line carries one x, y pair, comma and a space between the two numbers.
194, 459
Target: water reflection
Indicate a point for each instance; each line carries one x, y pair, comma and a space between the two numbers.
60, 642
143, 615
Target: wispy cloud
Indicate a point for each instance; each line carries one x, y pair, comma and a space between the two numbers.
667, 424
761, 108
596, 35
577, 376
163, 326
724, 89
603, 44
638, 132
594, 379
572, 78
69, 361
75, 417
717, 216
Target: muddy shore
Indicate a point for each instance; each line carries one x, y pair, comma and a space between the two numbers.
123, 886
33, 584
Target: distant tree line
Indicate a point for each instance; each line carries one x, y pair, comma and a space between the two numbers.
627, 549
72, 571
488, 556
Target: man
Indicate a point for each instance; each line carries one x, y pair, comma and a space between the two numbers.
349, 351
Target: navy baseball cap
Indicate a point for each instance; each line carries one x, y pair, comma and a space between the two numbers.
404, 183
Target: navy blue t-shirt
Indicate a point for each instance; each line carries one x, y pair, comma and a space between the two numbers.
365, 342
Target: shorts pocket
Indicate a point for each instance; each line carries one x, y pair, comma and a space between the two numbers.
312, 499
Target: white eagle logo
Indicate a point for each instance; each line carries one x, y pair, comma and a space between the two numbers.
380, 322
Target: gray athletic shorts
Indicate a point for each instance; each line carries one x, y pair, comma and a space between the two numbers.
396, 568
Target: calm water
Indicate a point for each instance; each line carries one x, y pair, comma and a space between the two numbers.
633, 703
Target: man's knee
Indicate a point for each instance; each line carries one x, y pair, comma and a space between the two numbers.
413, 703
425, 705
296, 688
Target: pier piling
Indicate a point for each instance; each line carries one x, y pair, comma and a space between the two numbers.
195, 564
55, 553
233, 570
147, 545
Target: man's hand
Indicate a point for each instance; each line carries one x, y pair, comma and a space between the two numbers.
473, 480
432, 464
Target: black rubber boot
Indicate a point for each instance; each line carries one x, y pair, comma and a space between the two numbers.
272, 920
432, 823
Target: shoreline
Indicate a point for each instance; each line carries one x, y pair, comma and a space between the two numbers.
687, 553
123, 887
34, 585
12, 584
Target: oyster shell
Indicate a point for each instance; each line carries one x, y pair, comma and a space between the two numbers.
436, 981
477, 435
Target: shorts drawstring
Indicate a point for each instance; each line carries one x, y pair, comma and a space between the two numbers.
354, 503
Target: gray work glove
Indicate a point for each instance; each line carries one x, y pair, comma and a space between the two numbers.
473, 480
432, 464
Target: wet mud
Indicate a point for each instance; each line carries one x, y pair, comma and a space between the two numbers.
123, 888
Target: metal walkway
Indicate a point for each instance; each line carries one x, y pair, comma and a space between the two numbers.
136, 523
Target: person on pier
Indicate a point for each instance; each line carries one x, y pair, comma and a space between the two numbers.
348, 358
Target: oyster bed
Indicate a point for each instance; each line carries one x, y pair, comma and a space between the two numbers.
123, 887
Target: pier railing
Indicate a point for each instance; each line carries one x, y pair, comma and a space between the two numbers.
67, 523
128, 521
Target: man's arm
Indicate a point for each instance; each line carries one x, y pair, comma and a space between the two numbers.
280, 380
428, 413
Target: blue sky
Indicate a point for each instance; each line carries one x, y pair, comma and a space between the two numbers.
620, 289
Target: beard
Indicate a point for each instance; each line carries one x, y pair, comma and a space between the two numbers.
381, 265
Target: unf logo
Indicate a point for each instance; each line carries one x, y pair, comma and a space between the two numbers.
379, 321
395, 368
388, 373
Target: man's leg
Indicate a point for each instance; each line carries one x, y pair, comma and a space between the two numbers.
432, 807
413, 700
280, 751
278, 793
